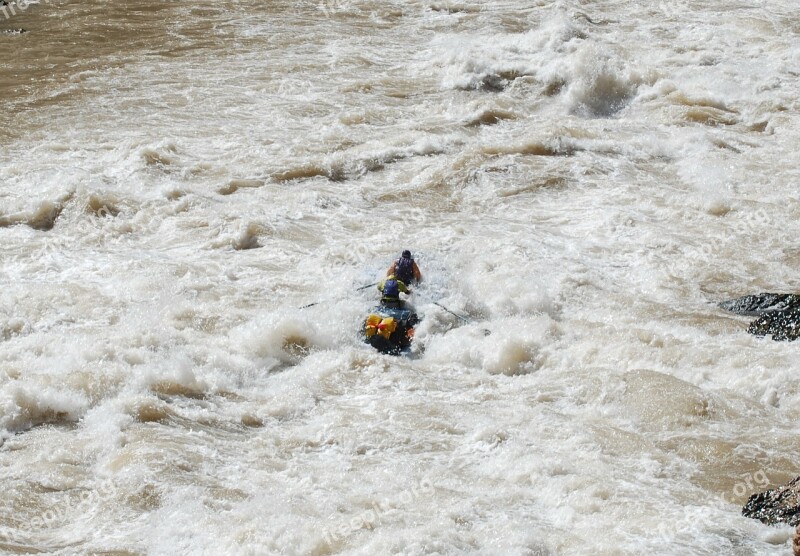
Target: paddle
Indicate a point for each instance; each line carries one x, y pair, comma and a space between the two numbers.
465, 319
486, 331
326, 300
367, 286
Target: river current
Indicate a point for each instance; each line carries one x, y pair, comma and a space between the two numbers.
580, 183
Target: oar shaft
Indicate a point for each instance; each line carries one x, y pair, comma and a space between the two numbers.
323, 301
465, 319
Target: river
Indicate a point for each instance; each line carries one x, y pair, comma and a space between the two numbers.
581, 182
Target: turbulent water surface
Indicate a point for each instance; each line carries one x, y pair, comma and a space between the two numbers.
582, 181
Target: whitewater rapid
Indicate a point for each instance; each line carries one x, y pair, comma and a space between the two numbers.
582, 182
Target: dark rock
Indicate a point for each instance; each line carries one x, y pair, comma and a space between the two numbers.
779, 314
777, 505
782, 325
760, 304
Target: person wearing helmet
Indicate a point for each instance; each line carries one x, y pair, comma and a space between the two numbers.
405, 269
390, 288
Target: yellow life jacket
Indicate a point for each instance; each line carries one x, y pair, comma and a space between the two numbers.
383, 326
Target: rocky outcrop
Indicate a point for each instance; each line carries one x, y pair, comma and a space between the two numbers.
761, 303
778, 314
781, 325
777, 505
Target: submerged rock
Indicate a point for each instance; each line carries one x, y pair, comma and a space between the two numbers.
777, 505
779, 314
760, 303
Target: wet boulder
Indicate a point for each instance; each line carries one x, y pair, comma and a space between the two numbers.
777, 505
781, 325
761, 303
778, 314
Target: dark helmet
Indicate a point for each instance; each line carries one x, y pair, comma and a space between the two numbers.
406, 254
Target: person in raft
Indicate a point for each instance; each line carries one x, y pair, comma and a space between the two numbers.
390, 288
405, 269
